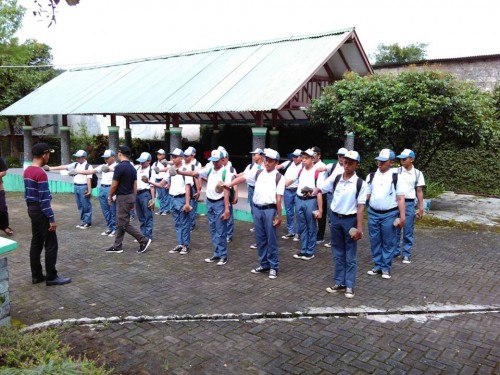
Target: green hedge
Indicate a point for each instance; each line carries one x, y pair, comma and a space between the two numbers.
468, 170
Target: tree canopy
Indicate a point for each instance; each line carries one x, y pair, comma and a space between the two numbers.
393, 53
420, 110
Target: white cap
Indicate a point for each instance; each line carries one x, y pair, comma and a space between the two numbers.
80, 153
216, 155
177, 152
189, 151
161, 151
145, 156
108, 153
309, 152
269, 153
385, 155
353, 155
342, 151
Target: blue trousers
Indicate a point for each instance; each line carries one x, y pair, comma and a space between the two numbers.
144, 214
306, 224
407, 231
193, 213
266, 237
109, 212
83, 204
217, 227
164, 199
250, 190
382, 238
230, 223
291, 222
344, 250
182, 222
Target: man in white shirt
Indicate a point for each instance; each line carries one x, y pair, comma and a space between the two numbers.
145, 200
386, 197
414, 180
217, 204
158, 174
269, 188
291, 168
192, 164
82, 187
347, 208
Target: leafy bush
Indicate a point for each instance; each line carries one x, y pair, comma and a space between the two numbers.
433, 189
13, 162
40, 353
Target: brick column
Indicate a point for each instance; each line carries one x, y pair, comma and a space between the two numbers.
65, 141
175, 138
259, 137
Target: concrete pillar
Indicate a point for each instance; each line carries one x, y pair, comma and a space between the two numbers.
27, 144
175, 138
4, 293
65, 141
167, 140
114, 134
259, 137
214, 142
349, 141
128, 133
273, 139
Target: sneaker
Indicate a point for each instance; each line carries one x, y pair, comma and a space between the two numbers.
349, 293
176, 249
252, 229
106, 233
318, 242
298, 255
273, 274
260, 269
163, 213
307, 257
228, 240
336, 288
112, 234
79, 226
406, 260
144, 246
374, 272
288, 236
296, 238
386, 275
212, 260
254, 246
84, 226
113, 249
184, 250
222, 261
327, 244
158, 213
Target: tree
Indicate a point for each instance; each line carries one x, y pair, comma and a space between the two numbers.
423, 111
42, 11
395, 54
23, 67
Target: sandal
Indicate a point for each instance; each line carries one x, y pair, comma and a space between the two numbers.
8, 231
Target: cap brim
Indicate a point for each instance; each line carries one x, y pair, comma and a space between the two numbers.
214, 159
381, 159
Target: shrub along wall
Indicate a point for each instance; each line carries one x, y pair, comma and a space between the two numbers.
468, 170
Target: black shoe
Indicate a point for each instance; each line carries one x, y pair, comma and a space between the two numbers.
59, 280
212, 260
260, 269
144, 246
113, 249
40, 279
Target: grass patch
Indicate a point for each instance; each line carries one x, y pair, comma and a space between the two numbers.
41, 353
430, 221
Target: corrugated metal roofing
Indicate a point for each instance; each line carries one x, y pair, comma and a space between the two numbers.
261, 76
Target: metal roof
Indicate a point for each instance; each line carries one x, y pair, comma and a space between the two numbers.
233, 82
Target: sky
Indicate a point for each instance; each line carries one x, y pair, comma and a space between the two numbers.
105, 31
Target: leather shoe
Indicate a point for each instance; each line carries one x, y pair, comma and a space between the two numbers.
40, 279
59, 280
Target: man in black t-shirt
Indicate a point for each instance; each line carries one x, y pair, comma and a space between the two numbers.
124, 189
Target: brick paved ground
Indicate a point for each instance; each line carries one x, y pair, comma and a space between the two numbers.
452, 270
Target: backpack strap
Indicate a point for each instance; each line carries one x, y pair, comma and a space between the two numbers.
278, 176
359, 184
329, 173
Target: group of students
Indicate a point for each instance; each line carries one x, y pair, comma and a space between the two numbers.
310, 190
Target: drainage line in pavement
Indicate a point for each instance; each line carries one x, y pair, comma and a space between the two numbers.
310, 313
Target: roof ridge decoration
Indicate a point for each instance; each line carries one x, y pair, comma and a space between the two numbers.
291, 38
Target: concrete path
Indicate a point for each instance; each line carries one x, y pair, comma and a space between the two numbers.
161, 313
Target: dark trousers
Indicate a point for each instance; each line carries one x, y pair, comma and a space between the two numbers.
42, 237
4, 213
320, 236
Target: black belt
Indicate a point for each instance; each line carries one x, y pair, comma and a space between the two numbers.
158, 179
104, 185
33, 203
81, 184
178, 195
214, 200
265, 206
305, 198
409, 200
383, 211
345, 216
139, 192
291, 189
